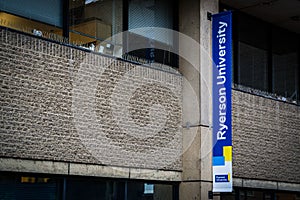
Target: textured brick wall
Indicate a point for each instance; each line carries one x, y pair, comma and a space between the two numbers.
266, 138
60, 103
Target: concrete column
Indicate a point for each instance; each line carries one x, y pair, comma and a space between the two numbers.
197, 107
189, 24
206, 94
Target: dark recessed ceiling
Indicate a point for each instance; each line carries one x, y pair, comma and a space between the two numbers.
284, 13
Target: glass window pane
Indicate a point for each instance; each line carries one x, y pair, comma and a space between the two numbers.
138, 191
47, 11
229, 195
251, 195
287, 196
7, 187
28, 187
253, 55
252, 31
87, 188
30, 26
93, 21
40, 18
152, 13
253, 66
285, 63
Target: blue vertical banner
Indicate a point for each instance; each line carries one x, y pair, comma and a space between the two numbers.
222, 133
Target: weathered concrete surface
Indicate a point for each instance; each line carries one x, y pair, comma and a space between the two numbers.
266, 138
21, 165
197, 116
62, 104
158, 175
78, 169
263, 184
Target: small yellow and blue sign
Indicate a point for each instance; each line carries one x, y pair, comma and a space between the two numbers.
222, 69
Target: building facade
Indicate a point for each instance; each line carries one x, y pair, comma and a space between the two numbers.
113, 99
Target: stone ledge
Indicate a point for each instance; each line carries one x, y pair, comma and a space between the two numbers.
64, 168
266, 184
289, 186
159, 175
33, 166
260, 184
98, 171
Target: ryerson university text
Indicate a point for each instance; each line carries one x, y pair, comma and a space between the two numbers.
221, 79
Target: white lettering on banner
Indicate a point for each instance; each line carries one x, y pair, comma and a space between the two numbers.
221, 78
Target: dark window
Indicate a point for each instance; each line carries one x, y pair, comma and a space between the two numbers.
16, 186
47, 11
285, 63
41, 18
258, 194
78, 189
253, 55
266, 57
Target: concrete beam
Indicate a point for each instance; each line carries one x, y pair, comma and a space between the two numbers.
158, 175
237, 182
266, 184
33, 166
260, 184
289, 186
65, 168
98, 171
